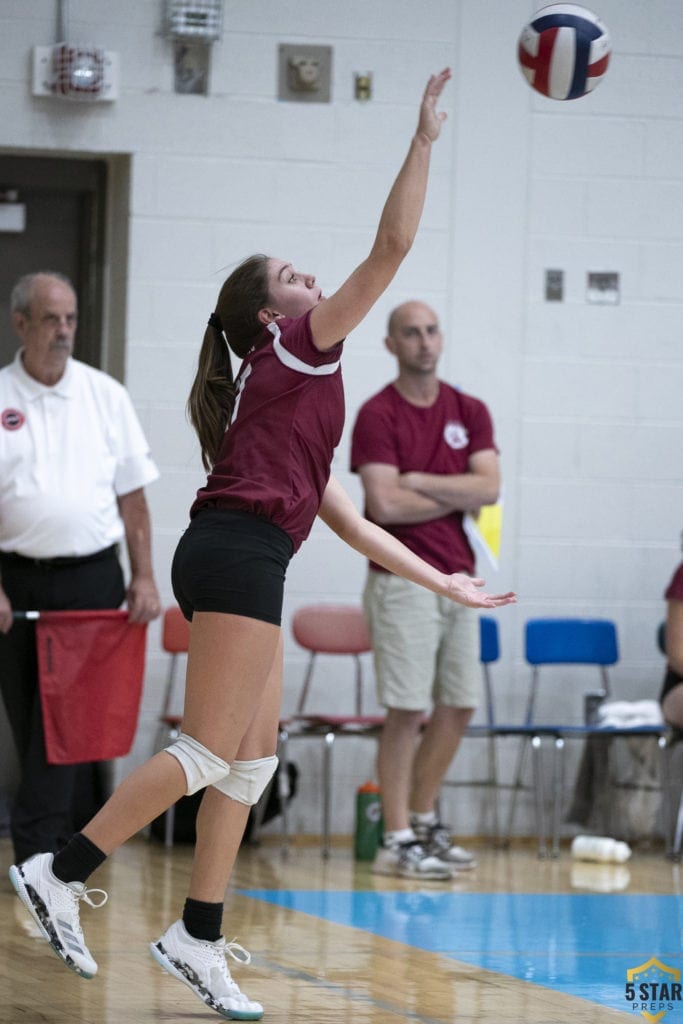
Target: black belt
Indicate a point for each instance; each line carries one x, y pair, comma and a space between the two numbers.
60, 561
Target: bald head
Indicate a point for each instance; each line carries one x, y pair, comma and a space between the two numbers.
414, 337
407, 312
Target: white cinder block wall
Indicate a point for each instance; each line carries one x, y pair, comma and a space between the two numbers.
586, 398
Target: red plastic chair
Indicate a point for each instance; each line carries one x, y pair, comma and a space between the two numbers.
175, 640
329, 629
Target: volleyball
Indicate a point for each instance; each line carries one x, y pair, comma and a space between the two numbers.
564, 51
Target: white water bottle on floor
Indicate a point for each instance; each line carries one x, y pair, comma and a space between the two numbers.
600, 848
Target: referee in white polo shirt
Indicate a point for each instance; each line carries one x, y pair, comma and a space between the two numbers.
73, 466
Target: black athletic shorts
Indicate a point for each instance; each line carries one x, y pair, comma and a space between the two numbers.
234, 562
671, 680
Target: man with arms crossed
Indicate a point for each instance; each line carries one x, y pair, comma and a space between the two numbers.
426, 456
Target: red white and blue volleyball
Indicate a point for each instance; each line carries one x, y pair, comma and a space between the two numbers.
564, 51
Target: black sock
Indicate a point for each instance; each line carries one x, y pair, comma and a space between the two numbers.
203, 920
77, 860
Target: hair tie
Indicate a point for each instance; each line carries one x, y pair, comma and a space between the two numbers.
216, 323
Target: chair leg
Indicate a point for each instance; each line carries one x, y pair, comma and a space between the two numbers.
607, 811
675, 802
674, 818
558, 793
283, 783
257, 812
169, 825
327, 792
666, 788
516, 786
493, 785
678, 833
536, 751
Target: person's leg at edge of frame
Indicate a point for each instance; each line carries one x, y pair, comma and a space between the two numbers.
395, 753
457, 690
223, 648
404, 636
193, 949
401, 853
438, 746
672, 707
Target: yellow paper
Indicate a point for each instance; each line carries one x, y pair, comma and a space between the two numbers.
483, 532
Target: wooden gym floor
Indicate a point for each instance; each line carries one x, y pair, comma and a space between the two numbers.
518, 940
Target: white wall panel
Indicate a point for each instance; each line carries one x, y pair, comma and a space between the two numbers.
586, 397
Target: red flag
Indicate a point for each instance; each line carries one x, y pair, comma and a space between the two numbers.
91, 666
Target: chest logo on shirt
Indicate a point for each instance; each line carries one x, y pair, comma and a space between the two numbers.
12, 419
455, 435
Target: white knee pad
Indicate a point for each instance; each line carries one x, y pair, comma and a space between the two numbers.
248, 779
201, 767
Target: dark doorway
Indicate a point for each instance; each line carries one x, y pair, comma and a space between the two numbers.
65, 218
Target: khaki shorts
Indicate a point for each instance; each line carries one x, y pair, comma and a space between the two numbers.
426, 648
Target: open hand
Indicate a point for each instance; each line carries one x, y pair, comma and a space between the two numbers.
431, 119
465, 590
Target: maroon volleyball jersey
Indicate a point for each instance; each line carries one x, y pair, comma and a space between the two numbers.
438, 439
288, 419
674, 592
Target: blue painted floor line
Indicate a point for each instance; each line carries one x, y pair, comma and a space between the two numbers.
579, 944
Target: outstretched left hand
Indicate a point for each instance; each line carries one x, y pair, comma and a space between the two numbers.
431, 119
464, 590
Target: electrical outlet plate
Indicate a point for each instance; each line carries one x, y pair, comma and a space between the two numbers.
304, 73
554, 285
602, 288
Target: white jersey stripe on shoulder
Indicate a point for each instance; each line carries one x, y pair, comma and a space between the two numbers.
293, 362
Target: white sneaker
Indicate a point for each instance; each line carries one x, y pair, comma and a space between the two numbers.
437, 841
53, 905
201, 966
410, 860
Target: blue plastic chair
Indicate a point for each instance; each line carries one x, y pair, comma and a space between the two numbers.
558, 641
569, 642
572, 642
492, 730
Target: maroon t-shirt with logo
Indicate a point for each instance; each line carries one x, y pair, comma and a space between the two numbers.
288, 419
439, 439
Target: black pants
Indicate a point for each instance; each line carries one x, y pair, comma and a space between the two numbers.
52, 801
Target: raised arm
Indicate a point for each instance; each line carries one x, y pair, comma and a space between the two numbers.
334, 318
342, 516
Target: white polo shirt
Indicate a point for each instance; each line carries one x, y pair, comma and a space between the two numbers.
66, 452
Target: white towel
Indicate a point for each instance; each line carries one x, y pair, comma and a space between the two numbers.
630, 713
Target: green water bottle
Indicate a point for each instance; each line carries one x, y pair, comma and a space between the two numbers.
368, 821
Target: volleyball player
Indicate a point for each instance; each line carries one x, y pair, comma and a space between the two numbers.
267, 440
